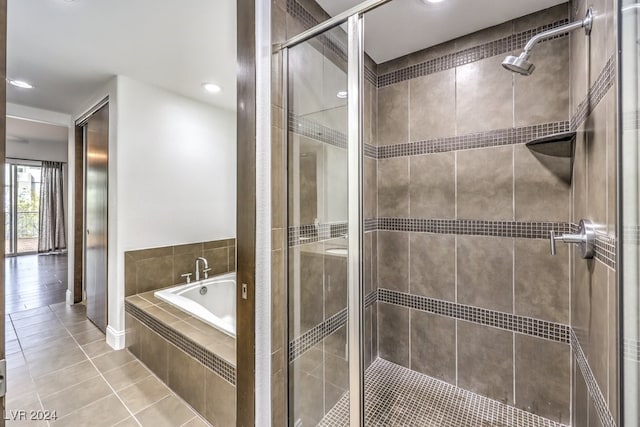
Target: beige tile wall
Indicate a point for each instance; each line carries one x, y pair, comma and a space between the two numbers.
509, 182
150, 269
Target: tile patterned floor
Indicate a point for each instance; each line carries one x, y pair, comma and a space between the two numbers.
396, 396
59, 361
33, 281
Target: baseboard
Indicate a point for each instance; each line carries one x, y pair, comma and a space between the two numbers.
115, 338
69, 297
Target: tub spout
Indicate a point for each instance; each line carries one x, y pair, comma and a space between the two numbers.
206, 269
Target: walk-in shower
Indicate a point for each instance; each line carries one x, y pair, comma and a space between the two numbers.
520, 64
418, 283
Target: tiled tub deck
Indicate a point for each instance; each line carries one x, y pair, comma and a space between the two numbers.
195, 360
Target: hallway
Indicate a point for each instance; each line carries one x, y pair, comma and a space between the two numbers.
33, 281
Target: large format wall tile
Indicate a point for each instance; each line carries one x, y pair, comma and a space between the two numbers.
544, 96
433, 265
542, 284
542, 377
393, 114
484, 96
432, 187
485, 361
393, 333
485, 272
432, 105
393, 253
433, 345
542, 188
485, 183
393, 187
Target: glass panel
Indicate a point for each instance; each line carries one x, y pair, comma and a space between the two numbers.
630, 226
28, 207
318, 244
8, 210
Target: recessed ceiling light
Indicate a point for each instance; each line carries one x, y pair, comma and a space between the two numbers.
342, 94
211, 87
21, 84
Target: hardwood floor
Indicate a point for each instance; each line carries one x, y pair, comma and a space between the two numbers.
33, 281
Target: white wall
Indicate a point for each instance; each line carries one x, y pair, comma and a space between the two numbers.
172, 177
37, 150
176, 168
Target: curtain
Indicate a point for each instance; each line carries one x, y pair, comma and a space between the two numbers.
52, 236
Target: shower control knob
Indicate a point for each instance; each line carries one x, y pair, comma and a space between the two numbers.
187, 277
585, 238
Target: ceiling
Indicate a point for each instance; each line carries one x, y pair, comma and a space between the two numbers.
69, 49
25, 131
415, 25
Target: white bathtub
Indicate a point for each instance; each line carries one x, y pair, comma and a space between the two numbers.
216, 307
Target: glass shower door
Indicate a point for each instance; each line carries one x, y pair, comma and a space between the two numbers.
629, 211
317, 222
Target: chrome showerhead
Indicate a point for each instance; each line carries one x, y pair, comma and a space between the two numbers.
519, 64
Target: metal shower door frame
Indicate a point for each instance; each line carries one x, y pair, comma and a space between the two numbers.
355, 151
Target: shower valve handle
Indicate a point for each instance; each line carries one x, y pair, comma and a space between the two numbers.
585, 239
187, 277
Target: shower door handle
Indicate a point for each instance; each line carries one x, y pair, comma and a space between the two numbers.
585, 239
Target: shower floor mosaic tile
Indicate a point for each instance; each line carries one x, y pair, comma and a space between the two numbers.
396, 396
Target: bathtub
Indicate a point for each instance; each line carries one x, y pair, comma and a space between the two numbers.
211, 300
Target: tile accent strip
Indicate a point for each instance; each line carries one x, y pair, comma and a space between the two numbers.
466, 56
631, 349
298, 346
193, 349
319, 132
592, 385
310, 233
605, 250
525, 325
493, 138
606, 79
528, 230
329, 39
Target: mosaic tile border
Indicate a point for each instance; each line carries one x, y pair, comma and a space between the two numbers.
511, 322
605, 249
606, 79
592, 385
193, 349
328, 39
319, 132
552, 331
398, 396
466, 56
311, 233
493, 138
298, 346
518, 229
631, 349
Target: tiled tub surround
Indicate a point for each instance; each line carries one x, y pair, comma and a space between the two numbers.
155, 268
194, 359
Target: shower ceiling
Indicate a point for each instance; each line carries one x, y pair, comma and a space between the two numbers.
404, 26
